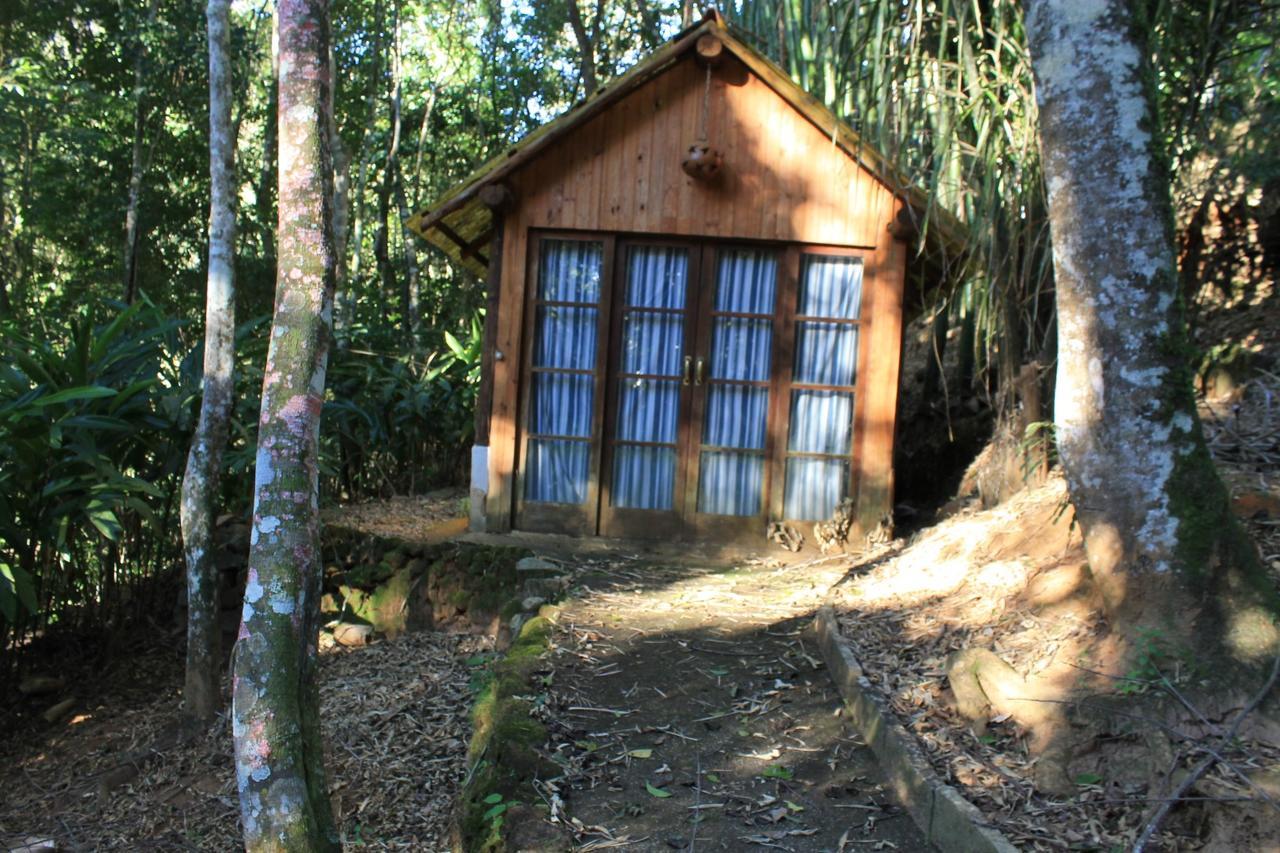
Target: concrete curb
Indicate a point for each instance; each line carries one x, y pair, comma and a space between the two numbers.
947, 819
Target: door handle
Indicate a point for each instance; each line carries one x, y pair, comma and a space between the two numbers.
688, 368
699, 370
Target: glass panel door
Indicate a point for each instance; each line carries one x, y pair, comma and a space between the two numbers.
649, 392
732, 370
819, 444
560, 450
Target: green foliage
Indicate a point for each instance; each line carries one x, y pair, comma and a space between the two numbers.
944, 89
93, 430
393, 422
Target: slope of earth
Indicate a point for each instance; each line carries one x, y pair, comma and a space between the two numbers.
112, 776
688, 711
1011, 585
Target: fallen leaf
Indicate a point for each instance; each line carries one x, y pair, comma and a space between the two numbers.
656, 792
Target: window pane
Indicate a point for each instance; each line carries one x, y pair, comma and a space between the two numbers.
814, 487
647, 409
652, 343
821, 422
644, 477
740, 348
730, 483
656, 276
562, 404
831, 286
826, 353
736, 416
556, 471
569, 271
746, 281
566, 337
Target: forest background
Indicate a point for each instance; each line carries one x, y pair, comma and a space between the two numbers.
104, 188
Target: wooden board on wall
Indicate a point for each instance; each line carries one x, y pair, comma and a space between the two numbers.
878, 383
783, 178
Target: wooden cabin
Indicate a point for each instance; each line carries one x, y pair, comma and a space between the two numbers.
695, 308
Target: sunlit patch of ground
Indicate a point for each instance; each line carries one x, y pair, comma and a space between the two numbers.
687, 710
416, 519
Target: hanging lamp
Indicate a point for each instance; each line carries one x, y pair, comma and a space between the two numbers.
703, 161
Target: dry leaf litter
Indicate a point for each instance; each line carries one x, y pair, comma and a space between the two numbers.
395, 724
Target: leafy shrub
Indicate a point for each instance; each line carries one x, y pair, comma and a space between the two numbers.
92, 442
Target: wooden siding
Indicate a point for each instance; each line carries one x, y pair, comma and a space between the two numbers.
783, 179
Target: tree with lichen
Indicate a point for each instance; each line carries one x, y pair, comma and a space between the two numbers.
204, 460
1164, 549
284, 801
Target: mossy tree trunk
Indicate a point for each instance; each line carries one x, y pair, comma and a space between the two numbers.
284, 801
1159, 534
204, 460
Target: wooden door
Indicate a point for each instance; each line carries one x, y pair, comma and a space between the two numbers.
679, 389
733, 380
687, 437
650, 389
562, 406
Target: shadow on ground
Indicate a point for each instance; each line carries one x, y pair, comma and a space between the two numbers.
689, 710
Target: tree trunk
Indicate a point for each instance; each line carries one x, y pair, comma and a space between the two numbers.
424, 130
204, 461
138, 162
7, 248
284, 801
344, 309
1157, 525
586, 49
410, 294
264, 194
341, 190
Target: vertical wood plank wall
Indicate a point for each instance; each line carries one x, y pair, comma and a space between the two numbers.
783, 180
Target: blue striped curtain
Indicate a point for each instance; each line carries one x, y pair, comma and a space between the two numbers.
562, 403
822, 419
729, 482
746, 281
814, 486
821, 422
831, 286
644, 477
657, 277
826, 353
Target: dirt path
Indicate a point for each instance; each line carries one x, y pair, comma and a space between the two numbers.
691, 712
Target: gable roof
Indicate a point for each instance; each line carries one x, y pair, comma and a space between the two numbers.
461, 224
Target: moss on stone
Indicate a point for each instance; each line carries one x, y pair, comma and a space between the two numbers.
504, 742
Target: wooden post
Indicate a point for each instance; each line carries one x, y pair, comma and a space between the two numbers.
493, 284
497, 197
